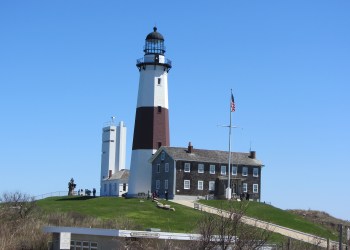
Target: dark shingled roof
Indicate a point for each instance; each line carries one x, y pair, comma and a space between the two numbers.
215, 156
155, 35
119, 175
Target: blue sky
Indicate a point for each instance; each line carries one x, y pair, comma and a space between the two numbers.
66, 67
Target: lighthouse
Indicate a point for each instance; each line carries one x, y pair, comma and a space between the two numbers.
151, 129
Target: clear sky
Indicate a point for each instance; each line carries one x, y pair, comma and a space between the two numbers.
66, 67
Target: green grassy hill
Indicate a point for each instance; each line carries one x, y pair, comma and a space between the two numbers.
145, 214
280, 217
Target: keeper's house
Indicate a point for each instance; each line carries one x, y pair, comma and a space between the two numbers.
204, 173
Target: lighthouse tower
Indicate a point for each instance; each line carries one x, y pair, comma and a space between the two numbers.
151, 129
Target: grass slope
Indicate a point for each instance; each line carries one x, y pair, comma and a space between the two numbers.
145, 214
277, 216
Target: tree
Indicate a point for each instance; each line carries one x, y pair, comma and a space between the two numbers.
227, 230
16, 206
71, 187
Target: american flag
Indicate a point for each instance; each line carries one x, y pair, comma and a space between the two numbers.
233, 107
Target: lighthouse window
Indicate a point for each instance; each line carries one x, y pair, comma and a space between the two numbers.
159, 81
159, 109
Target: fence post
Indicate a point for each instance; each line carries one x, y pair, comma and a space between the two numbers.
340, 226
288, 243
327, 243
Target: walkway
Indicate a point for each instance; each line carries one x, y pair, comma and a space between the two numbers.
291, 233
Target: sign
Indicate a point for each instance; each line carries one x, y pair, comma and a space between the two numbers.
144, 234
65, 240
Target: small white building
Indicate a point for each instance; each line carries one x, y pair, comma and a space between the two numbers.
114, 177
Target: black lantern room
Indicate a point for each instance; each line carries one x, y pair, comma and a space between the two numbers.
154, 43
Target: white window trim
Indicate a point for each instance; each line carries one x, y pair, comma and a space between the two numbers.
166, 184
245, 187
243, 171
255, 174
223, 167
255, 188
166, 168
189, 167
200, 185
210, 170
213, 185
158, 168
162, 155
189, 184
157, 184
236, 168
202, 171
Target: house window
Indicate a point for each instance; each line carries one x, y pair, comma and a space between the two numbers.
158, 168
124, 186
157, 184
211, 185
187, 167
162, 156
223, 170
212, 169
105, 188
255, 188
200, 168
159, 80
166, 167
115, 187
186, 184
255, 172
234, 170
245, 171
83, 245
93, 245
166, 184
86, 245
245, 187
200, 185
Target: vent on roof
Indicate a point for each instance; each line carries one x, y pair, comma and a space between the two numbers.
189, 148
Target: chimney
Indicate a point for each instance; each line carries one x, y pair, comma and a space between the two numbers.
252, 154
189, 148
110, 174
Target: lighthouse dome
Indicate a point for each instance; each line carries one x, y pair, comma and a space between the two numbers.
154, 43
155, 35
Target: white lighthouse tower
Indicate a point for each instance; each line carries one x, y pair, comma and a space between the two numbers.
113, 160
151, 129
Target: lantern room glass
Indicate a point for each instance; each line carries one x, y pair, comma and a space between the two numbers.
154, 46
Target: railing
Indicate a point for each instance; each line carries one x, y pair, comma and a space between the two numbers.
57, 193
142, 60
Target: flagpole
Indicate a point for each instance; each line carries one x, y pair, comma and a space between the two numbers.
229, 192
